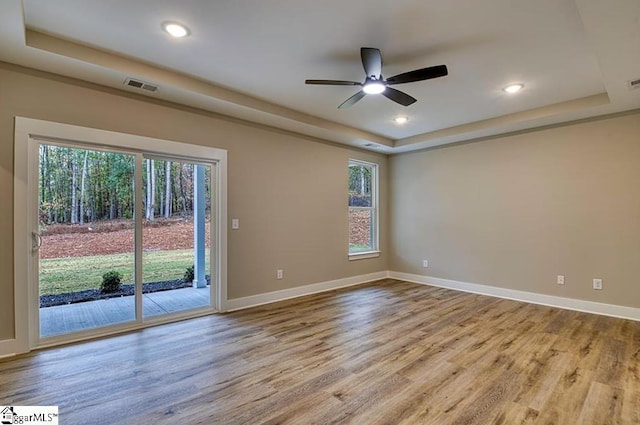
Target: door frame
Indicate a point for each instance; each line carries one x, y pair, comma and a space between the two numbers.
29, 133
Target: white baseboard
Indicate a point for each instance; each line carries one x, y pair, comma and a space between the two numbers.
9, 348
612, 310
285, 294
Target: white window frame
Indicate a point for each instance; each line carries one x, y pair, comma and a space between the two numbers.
375, 252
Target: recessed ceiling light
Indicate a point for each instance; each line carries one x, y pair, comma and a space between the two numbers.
373, 88
401, 120
513, 88
175, 30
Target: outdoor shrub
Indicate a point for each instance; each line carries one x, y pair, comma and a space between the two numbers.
359, 200
189, 274
110, 282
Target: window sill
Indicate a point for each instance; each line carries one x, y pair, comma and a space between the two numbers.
363, 255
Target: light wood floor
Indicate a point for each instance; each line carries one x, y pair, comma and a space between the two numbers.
384, 353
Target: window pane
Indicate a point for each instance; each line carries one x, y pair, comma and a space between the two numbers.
360, 229
360, 185
175, 269
87, 261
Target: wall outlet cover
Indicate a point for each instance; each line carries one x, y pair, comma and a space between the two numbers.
597, 284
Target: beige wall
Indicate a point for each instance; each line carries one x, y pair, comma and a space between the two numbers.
511, 212
288, 192
516, 211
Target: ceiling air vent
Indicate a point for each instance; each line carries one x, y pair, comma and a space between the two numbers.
130, 82
634, 84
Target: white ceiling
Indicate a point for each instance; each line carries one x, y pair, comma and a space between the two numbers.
249, 59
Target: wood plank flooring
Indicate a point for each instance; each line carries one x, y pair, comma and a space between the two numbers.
389, 352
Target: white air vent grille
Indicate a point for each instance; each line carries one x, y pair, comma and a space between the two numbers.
149, 87
130, 82
634, 84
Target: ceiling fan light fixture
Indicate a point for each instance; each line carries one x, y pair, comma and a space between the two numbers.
374, 87
513, 88
175, 29
400, 120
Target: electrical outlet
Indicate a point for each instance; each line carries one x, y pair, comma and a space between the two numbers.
425, 263
235, 223
597, 284
560, 280
279, 274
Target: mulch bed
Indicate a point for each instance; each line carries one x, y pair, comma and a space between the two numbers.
116, 237
125, 290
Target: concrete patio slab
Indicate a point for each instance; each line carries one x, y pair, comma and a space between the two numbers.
68, 318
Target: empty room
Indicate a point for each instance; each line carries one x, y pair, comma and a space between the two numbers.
294, 212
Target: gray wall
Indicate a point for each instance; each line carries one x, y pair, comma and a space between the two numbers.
516, 211
289, 193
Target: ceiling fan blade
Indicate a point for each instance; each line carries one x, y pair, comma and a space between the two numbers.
352, 100
419, 75
398, 96
332, 82
371, 61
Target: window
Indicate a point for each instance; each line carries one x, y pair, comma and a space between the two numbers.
363, 209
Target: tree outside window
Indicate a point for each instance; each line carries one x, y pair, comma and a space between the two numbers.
363, 208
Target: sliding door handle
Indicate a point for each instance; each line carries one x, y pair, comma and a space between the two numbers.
36, 241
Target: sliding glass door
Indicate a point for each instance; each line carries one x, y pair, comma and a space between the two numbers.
121, 238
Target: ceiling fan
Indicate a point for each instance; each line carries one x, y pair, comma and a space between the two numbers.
375, 83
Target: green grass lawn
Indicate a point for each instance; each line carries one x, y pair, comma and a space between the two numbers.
60, 275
